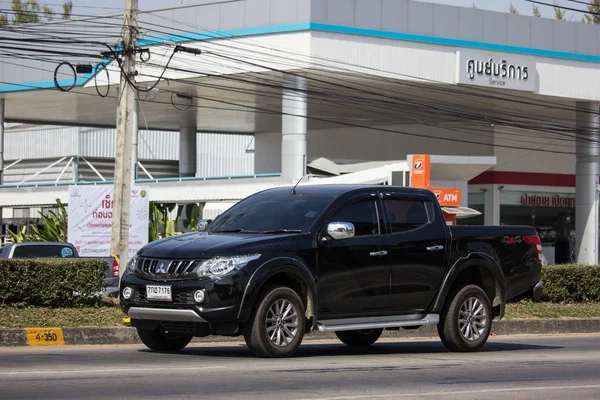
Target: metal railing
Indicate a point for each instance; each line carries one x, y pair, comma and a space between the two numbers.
141, 181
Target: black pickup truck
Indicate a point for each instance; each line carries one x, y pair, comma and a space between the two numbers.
349, 259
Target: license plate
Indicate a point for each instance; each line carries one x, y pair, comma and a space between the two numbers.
162, 293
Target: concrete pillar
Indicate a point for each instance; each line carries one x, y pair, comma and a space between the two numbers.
491, 213
134, 141
2, 109
587, 170
293, 129
187, 150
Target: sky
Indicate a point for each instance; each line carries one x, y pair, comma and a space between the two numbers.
524, 7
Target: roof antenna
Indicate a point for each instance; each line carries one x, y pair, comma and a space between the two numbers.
293, 191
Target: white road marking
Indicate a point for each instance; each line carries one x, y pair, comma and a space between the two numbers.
477, 391
95, 371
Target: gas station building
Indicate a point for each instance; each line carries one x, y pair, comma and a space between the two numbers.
507, 106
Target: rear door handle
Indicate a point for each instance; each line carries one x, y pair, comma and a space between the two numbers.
435, 248
379, 253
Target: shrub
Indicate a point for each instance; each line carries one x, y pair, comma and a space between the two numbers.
50, 282
571, 283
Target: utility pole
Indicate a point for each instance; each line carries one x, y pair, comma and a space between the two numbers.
119, 243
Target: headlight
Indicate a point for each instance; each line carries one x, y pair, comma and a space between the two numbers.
131, 264
223, 266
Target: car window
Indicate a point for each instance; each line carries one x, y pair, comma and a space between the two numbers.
363, 214
45, 251
406, 214
264, 213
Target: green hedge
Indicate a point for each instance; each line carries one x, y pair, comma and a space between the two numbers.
571, 283
50, 282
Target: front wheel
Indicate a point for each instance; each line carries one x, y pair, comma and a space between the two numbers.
466, 322
159, 340
359, 338
277, 327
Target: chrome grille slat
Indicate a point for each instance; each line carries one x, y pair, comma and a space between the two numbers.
174, 268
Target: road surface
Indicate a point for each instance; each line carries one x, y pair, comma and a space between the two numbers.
534, 367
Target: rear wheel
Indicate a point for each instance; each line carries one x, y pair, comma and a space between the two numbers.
277, 327
466, 322
359, 338
160, 340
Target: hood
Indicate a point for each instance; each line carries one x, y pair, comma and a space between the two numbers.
206, 245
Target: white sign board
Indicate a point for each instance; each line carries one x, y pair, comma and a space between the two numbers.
478, 69
90, 219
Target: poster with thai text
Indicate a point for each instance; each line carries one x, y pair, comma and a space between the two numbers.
90, 219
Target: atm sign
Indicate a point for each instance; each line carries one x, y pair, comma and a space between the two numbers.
448, 196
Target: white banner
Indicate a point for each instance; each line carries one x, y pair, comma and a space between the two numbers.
90, 219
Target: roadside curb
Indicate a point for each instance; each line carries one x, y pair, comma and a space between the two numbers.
22, 337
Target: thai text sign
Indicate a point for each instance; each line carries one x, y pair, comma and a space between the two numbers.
90, 219
474, 68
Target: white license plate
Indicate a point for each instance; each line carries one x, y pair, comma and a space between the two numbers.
154, 292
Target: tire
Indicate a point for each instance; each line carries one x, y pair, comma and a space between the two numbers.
359, 338
457, 335
277, 325
158, 340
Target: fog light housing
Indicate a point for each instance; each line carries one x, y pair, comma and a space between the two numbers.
127, 293
199, 296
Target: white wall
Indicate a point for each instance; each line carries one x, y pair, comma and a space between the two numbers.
267, 156
516, 160
360, 144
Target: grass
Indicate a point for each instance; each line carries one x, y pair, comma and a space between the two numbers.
529, 309
109, 314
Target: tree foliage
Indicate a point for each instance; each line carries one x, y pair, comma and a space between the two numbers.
513, 9
54, 228
536, 11
559, 13
594, 12
30, 11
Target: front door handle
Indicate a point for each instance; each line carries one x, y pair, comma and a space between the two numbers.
435, 248
379, 253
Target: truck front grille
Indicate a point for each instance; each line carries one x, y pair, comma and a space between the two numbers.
154, 267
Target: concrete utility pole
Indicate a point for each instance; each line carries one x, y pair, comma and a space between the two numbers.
119, 243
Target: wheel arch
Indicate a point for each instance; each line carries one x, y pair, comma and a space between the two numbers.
287, 272
480, 270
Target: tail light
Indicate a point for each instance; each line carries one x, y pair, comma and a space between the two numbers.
115, 266
535, 240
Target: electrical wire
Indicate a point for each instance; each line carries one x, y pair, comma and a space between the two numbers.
163, 73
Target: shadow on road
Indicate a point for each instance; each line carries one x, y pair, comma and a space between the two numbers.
320, 350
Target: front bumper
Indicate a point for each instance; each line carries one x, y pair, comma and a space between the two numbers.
221, 304
164, 314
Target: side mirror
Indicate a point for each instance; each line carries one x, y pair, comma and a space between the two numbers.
203, 224
341, 230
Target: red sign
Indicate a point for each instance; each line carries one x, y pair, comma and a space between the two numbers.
448, 197
547, 201
420, 171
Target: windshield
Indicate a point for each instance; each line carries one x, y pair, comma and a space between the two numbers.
264, 213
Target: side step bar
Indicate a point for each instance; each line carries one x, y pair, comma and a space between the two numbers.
350, 324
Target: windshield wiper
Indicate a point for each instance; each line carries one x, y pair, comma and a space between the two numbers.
283, 231
234, 230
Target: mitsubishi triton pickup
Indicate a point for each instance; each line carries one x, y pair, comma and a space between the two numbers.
349, 259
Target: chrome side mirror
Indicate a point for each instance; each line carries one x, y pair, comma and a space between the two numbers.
203, 224
341, 230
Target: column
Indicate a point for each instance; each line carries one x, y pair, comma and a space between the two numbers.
492, 205
187, 150
134, 141
293, 129
586, 195
2, 109
2, 105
